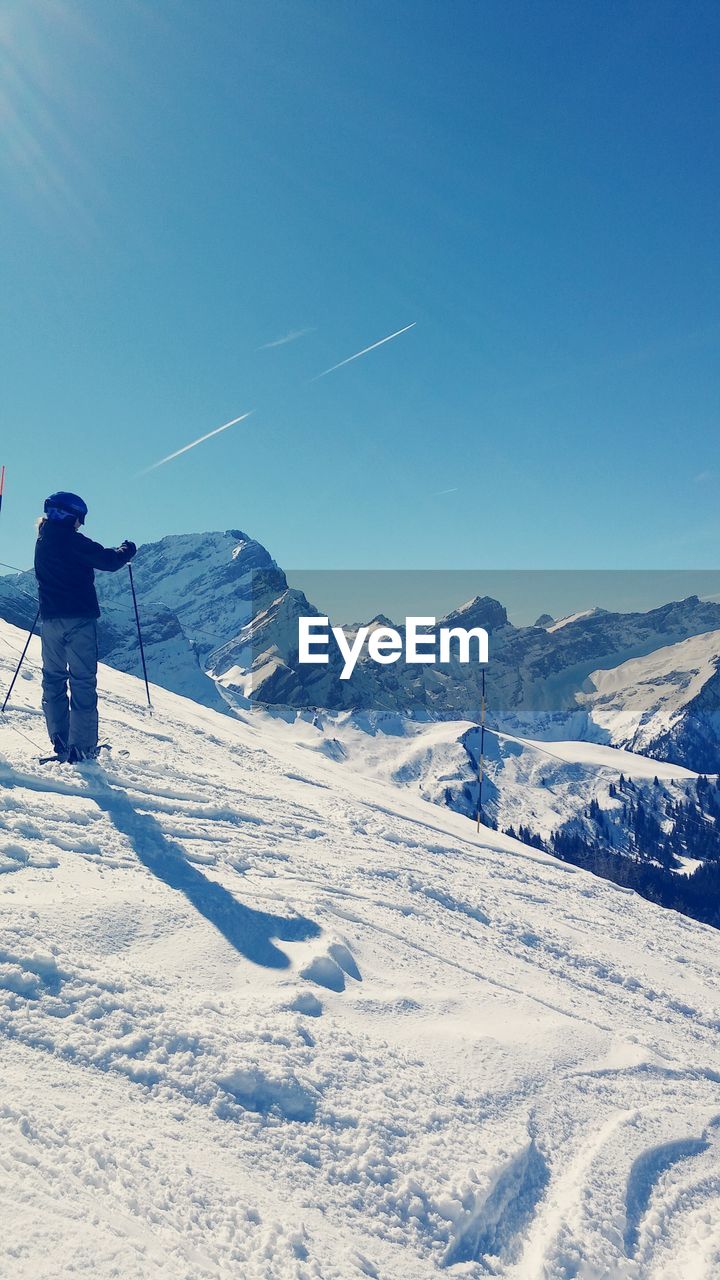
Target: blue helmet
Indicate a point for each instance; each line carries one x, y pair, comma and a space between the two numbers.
65, 506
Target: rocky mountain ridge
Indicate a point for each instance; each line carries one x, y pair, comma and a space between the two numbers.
220, 626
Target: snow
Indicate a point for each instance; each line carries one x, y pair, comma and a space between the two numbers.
570, 618
546, 785
264, 1014
220, 625
639, 700
689, 865
612, 758
536, 783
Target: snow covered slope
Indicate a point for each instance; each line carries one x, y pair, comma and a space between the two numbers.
666, 704
544, 787
429, 758
221, 625
265, 1017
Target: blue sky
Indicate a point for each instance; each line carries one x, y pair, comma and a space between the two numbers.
534, 186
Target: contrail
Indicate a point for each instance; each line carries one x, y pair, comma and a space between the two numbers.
192, 445
289, 337
364, 351
440, 492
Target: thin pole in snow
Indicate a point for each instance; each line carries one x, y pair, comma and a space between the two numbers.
22, 659
140, 639
481, 760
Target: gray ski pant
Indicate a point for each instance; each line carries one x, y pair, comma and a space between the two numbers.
69, 653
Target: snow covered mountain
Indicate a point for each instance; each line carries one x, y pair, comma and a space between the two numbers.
265, 1014
196, 592
220, 624
649, 825
666, 704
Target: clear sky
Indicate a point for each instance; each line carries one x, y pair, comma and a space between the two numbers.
535, 186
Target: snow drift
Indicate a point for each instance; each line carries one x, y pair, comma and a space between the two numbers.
263, 1014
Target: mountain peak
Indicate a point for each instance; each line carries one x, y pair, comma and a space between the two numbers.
481, 611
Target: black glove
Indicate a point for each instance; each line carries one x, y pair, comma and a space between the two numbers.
128, 549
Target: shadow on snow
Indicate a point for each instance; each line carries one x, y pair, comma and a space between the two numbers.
249, 931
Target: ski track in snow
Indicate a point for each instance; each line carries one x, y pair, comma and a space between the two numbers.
262, 1016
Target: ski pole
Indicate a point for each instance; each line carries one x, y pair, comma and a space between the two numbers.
481, 762
140, 639
22, 659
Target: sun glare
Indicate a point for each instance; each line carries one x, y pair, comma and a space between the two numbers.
44, 112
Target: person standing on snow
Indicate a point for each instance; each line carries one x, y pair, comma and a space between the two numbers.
65, 561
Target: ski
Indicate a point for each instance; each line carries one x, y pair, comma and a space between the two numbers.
103, 746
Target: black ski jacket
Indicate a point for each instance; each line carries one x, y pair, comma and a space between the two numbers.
65, 561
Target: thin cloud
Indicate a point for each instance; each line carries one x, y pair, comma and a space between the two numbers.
289, 337
441, 492
364, 352
194, 443
703, 476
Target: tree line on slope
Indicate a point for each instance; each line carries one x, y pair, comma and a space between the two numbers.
638, 843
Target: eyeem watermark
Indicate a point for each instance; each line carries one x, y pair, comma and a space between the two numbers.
386, 644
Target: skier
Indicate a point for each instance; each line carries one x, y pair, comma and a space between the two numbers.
65, 561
